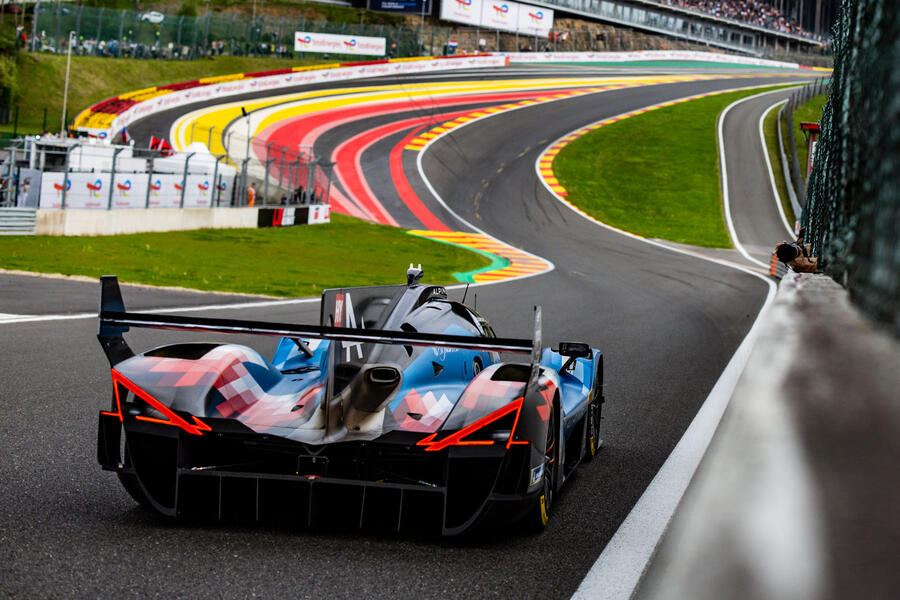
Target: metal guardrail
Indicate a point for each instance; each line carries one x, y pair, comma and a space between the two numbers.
18, 221
798, 98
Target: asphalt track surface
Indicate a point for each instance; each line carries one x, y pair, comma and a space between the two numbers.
667, 322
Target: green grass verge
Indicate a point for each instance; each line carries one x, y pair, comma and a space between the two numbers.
656, 174
809, 112
770, 129
290, 261
40, 81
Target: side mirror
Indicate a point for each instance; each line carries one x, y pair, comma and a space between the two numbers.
575, 349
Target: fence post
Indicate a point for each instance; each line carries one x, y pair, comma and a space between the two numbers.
121, 31
99, 29
214, 199
184, 179
228, 141
112, 178
209, 138
65, 182
266, 175
149, 182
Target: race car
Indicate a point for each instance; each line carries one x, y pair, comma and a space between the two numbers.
395, 413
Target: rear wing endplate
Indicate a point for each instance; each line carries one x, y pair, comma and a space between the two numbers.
114, 321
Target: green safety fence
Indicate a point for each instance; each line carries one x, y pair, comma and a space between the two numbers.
853, 194
124, 33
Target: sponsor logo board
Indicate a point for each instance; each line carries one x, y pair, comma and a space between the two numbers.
339, 44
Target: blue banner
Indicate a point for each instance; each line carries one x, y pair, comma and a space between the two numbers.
413, 7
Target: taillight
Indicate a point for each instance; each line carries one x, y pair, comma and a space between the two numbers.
168, 417
486, 431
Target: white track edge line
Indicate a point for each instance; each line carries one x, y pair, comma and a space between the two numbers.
726, 199
765, 147
618, 570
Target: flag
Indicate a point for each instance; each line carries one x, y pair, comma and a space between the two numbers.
125, 136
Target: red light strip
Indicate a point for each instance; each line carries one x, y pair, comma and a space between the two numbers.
456, 439
173, 419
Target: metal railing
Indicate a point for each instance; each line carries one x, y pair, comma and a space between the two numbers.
798, 98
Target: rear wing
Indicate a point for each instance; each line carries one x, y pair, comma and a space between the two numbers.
114, 321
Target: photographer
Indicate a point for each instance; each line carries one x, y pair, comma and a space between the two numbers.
796, 255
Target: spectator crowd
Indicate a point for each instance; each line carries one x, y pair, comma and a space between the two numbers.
754, 12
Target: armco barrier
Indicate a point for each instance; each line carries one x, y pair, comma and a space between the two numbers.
550, 57
107, 118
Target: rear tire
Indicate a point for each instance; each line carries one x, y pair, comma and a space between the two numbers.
593, 418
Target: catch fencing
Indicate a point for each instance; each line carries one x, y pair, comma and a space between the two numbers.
853, 201
279, 174
124, 33
54, 173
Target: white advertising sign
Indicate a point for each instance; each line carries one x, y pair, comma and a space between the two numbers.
165, 191
199, 191
129, 190
462, 11
535, 20
339, 44
497, 14
319, 213
84, 190
549, 57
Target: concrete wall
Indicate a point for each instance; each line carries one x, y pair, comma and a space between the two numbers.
798, 494
110, 222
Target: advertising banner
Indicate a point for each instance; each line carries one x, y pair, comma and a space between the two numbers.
339, 44
129, 190
534, 20
496, 14
199, 191
462, 11
549, 57
165, 191
413, 7
84, 190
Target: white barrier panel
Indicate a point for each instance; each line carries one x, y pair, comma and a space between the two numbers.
129, 190
165, 191
467, 12
305, 41
319, 213
85, 190
242, 86
548, 57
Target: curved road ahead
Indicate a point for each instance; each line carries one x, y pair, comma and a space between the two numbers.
667, 322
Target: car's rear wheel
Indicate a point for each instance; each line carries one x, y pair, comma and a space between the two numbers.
594, 414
